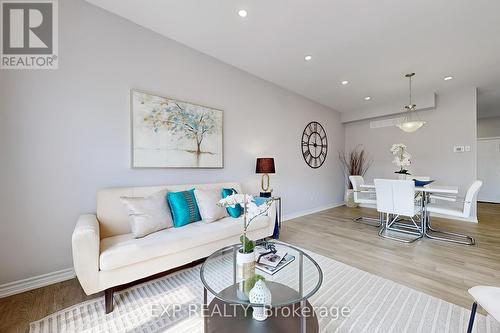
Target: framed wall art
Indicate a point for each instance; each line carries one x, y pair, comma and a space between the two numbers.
168, 133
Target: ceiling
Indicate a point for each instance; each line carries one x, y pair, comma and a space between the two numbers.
372, 44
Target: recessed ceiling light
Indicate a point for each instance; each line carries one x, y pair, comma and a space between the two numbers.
242, 13
308, 57
448, 78
344, 82
367, 98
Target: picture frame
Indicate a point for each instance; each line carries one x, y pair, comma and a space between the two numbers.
171, 133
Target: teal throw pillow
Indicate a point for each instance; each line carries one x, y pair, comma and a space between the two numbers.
235, 211
183, 207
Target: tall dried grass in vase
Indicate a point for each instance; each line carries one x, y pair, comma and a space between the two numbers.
354, 163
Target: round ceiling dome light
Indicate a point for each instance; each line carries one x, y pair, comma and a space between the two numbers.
411, 126
344, 82
367, 98
448, 78
308, 57
242, 13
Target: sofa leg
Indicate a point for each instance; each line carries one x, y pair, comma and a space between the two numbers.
108, 300
472, 315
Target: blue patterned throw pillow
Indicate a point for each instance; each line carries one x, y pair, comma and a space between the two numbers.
237, 210
183, 207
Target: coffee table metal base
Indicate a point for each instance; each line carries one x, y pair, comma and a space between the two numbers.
222, 316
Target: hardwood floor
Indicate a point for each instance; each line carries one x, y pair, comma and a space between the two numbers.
17, 311
440, 269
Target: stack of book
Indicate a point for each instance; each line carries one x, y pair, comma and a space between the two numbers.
271, 263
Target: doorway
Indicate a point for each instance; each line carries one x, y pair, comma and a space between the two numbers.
488, 149
488, 169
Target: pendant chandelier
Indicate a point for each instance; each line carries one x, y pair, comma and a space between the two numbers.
411, 123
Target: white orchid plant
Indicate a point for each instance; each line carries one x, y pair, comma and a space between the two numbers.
251, 210
402, 158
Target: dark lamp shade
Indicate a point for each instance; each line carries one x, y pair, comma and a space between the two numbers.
265, 165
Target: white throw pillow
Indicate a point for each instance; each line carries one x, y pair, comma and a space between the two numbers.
207, 203
149, 214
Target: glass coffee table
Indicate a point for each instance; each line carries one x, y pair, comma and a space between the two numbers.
290, 289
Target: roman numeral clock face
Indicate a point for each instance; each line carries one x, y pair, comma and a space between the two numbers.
314, 144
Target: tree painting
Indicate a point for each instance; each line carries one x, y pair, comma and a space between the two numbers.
191, 128
173, 117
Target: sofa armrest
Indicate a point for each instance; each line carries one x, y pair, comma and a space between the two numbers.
85, 243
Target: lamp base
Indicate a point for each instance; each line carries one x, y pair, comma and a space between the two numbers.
265, 194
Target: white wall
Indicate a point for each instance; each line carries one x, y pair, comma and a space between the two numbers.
453, 122
488, 127
66, 133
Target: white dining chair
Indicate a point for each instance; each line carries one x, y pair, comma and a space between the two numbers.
395, 199
364, 196
488, 298
453, 207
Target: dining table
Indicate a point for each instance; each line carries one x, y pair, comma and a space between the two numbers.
426, 191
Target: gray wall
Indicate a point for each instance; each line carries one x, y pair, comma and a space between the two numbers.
453, 122
66, 133
488, 127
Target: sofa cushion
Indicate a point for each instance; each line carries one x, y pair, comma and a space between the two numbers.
123, 250
207, 201
149, 214
184, 207
113, 216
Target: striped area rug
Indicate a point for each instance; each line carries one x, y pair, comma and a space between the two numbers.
376, 305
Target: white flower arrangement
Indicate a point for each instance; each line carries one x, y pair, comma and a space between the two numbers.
250, 212
401, 157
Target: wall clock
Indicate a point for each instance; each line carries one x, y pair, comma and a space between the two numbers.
314, 144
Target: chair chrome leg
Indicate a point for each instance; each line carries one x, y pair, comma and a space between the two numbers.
406, 227
387, 226
472, 316
380, 233
413, 226
469, 239
364, 218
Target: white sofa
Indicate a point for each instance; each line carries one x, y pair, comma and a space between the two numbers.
106, 255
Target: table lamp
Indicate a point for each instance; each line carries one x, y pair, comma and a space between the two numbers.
265, 166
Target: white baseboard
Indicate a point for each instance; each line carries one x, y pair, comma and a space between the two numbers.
35, 282
301, 213
472, 219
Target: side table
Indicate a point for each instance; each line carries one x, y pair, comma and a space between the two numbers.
279, 215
